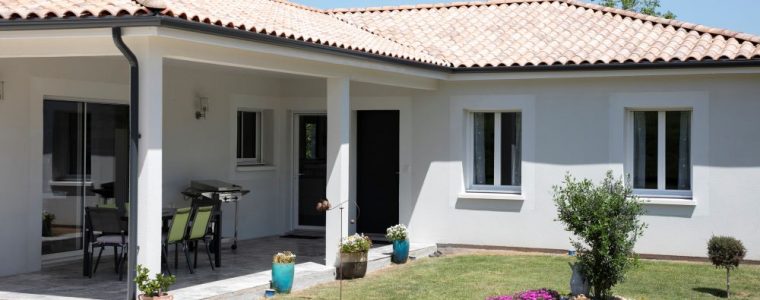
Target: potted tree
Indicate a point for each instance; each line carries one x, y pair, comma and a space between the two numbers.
283, 270
47, 223
353, 256
397, 234
153, 289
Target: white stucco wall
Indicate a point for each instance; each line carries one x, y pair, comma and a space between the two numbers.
574, 127
572, 121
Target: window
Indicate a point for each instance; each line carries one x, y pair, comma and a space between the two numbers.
662, 153
495, 152
249, 138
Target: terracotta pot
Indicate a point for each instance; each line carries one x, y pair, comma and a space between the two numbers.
164, 297
352, 265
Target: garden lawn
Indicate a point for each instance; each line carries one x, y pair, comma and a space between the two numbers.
479, 276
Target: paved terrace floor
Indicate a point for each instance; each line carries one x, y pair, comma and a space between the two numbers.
66, 280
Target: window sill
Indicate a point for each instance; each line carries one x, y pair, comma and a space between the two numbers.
492, 196
667, 201
255, 168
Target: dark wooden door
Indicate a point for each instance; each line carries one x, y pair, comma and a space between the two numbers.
377, 140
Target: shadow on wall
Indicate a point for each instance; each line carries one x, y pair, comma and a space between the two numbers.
669, 211
489, 205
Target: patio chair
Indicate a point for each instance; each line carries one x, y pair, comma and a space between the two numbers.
176, 237
199, 231
106, 229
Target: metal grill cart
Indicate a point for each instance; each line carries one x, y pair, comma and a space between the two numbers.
216, 192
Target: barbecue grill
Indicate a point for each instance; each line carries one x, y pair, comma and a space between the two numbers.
216, 192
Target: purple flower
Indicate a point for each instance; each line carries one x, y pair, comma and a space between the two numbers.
541, 294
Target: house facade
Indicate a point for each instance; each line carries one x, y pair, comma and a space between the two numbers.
455, 119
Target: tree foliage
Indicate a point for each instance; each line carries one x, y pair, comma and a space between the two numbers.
648, 7
726, 252
605, 219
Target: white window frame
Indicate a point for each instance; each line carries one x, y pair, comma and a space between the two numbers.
661, 191
470, 157
250, 161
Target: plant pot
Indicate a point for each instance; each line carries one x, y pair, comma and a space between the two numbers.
400, 251
47, 228
164, 297
352, 265
282, 277
578, 283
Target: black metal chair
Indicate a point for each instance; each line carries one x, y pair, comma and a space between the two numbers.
200, 231
176, 237
106, 229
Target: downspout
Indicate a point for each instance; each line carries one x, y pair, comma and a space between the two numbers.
134, 137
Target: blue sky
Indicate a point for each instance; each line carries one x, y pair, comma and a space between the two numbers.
738, 15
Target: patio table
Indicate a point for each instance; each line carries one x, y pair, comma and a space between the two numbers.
166, 216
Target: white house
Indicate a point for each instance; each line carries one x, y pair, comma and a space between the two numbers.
455, 119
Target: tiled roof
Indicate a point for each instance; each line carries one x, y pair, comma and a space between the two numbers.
548, 32
461, 35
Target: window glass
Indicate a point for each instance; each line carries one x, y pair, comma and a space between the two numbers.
483, 149
678, 150
510, 148
645, 149
247, 135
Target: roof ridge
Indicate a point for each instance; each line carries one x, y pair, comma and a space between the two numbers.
579, 3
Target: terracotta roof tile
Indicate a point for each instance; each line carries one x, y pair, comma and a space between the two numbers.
461, 34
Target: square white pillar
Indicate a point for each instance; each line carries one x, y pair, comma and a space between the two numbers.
149, 164
338, 141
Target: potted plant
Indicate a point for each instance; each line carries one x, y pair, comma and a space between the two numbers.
47, 223
283, 270
153, 289
353, 256
397, 235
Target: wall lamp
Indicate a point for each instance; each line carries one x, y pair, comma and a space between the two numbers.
201, 108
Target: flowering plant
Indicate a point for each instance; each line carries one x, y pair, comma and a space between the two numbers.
48, 216
286, 257
541, 294
396, 232
355, 243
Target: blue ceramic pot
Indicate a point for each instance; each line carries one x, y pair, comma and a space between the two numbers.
282, 277
400, 251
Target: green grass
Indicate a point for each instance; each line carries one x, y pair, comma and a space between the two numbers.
479, 276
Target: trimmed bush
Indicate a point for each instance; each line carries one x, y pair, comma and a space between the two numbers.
605, 219
726, 252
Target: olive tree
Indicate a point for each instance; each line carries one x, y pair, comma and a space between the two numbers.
605, 219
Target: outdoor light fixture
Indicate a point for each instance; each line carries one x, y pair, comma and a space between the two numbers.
2, 90
323, 206
201, 107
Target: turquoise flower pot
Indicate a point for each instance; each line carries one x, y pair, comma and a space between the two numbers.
400, 251
282, 277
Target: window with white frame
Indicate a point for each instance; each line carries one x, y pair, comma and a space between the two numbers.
249, 136
495, 152
661, 154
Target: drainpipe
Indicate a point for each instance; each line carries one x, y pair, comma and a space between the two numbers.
134, 136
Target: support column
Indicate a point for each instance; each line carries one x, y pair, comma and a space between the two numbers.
149, 170
338, 140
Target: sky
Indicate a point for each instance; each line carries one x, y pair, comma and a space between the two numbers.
737, 15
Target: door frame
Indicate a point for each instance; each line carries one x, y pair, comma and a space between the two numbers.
53, 258
294, 156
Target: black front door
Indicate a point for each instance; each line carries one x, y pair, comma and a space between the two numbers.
377, 140
312, 172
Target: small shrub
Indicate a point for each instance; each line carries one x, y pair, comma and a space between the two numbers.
355, 243
286, 257
726, 252
396, 232
152, 287
606, 220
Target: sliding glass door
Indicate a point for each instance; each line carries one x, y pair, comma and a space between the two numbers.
85, 163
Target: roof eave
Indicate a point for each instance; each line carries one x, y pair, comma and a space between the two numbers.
614, 67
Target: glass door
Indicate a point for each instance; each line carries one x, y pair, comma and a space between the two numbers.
85, 161
312, 173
